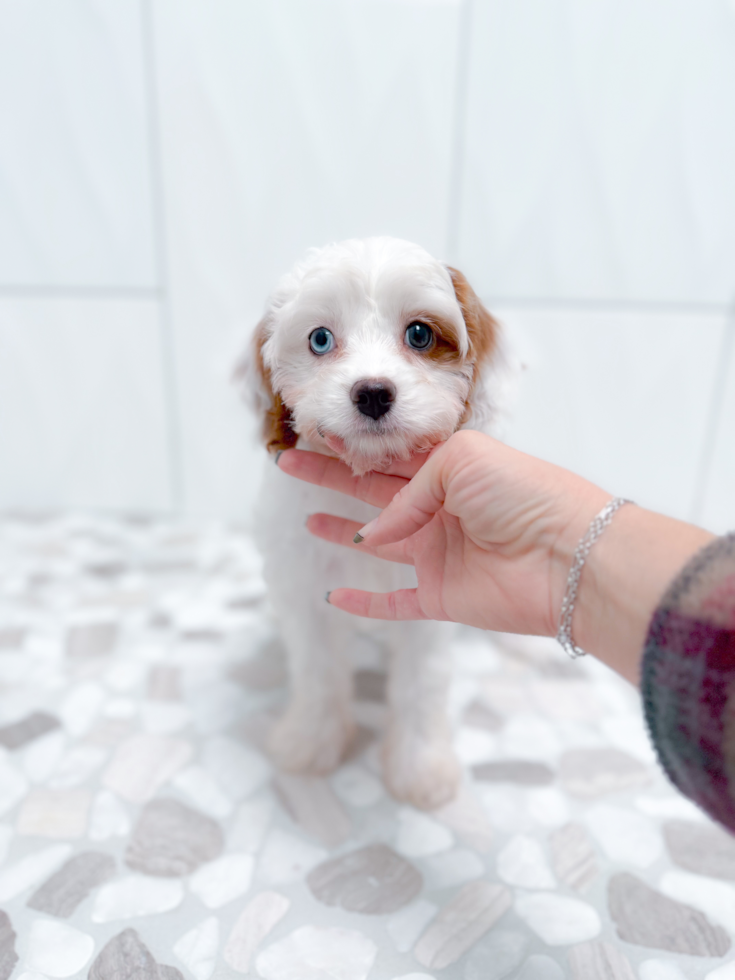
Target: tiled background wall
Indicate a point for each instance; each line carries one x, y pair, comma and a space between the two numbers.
163, 161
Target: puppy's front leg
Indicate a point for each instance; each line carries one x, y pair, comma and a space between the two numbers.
419, 763
314, 733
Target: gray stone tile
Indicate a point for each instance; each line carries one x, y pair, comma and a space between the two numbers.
370, 685
126, 957
35, 586
11, 637
588, 773
31, 727
645, 917
459, 925
479, 715
573, 856
171, 839
599, 961
702, 848
8, 955
209, 636
311, 803
71, 884
91, 640
244, 601
159, 620
106, 569
373, 880
264, 672
519, 771
164, 683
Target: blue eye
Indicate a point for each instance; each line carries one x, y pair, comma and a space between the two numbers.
419, 336
321, 340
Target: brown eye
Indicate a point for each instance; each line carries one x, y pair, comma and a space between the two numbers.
419, 336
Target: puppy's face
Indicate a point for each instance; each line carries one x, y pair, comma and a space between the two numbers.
373, 349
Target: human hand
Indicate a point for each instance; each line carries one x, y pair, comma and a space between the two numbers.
490, 531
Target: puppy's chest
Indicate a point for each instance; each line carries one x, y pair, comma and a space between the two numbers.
285, 503
294, 555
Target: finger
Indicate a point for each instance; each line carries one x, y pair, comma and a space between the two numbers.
412, 507
406, 467
410, 467
377, 489
339, 530
403, 604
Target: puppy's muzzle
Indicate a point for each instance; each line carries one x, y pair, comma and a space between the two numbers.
373, 397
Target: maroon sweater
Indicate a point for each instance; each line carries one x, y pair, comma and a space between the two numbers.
688, 680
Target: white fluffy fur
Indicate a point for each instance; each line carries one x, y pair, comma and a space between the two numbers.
366, 292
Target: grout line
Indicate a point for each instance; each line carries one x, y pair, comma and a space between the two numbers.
76, 291
54, 291
168, 347
454, 202
608, 303
714, 418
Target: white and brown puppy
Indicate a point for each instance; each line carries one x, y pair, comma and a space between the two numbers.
369, 350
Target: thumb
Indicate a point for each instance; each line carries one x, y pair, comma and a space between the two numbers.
412, 507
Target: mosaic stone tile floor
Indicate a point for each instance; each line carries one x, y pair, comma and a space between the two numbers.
145, 836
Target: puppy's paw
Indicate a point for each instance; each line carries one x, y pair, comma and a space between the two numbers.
310, 739
423, 772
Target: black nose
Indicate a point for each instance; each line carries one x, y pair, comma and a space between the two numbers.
373, 397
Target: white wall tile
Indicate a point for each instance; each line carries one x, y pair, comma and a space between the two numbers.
622, 398
718, 512
286, 125
600, 149
82, 418
75, 200
598, 161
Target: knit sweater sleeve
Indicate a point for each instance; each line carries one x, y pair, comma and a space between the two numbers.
688, 680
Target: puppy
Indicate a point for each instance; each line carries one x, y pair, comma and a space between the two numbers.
369, 350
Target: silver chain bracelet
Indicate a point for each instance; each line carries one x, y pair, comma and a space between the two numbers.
597, 526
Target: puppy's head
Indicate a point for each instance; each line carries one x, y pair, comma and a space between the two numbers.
372, 349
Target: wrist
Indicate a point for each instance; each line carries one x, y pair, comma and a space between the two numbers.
584, 502
596, 529
626, 573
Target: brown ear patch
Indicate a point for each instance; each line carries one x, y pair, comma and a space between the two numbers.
482, 329
278, 432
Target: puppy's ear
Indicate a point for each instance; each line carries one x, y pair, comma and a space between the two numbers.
254, 380
481, 407
482, 329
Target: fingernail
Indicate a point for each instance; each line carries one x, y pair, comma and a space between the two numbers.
364, 531
326, 596
279, 454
